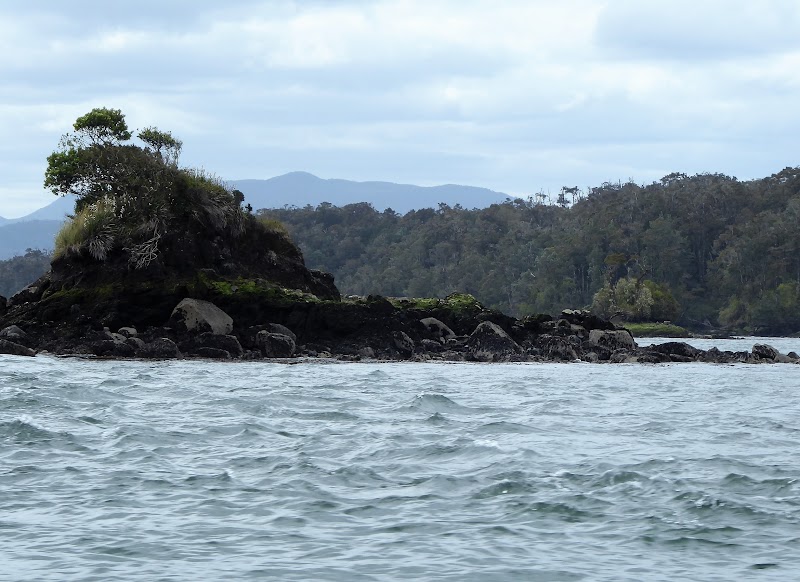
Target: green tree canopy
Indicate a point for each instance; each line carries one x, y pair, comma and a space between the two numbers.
96, 160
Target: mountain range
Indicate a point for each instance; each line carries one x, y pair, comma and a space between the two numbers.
301, 188
38, 229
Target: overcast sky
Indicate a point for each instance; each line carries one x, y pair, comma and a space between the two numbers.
516, 96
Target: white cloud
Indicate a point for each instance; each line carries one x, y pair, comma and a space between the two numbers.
514, 95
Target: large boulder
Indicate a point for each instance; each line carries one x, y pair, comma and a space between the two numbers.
403, 343
766, 352
283, 330
196, 316
16, 335
7, 347
556, 348
160, 349
620, 339
205, 344
275, 345
490, 342
437, 328
128, 332
112, 348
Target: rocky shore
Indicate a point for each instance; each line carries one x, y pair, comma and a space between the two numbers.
207, 318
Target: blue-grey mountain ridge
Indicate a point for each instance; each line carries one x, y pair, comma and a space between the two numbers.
38, 229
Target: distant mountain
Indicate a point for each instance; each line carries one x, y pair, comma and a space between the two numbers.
37, 230
16, 237
301, 188
56, 210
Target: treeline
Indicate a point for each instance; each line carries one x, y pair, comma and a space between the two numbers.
700, 250
18, 272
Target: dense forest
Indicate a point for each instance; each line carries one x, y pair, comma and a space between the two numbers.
703, 250
17, 272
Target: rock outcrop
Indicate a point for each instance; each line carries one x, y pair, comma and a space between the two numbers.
252, 326
196, 316
14, 349
489, 342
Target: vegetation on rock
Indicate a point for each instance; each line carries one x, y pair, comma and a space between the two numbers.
137, 210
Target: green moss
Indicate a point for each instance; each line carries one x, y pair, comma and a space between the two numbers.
415, 303
463, 302
255, 289
657, 330
455, 302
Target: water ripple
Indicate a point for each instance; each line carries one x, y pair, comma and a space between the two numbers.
331, 471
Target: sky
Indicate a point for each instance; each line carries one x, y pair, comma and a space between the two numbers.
519, 96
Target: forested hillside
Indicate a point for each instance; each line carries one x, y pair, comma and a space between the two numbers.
702, 250
18, 272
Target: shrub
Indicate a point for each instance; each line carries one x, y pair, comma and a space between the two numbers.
274, 225
92, 229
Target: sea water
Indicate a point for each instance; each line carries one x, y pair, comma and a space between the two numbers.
200, 470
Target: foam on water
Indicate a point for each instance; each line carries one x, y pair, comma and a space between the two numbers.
205, 470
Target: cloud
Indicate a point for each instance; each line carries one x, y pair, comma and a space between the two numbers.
694, 32
515, 96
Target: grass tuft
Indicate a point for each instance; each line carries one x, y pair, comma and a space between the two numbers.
92, 228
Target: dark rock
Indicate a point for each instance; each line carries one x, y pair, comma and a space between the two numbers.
212, 353
765, 352
275, 345
403, 343
380, 304
31, 293
111, 348
653, 357
11, 348
586, 319
16, 335
676, 348
715, 356
128, 332
283, 330
437, 328
793, 356
622, 356
160, 348
490, 342
535, 324
3, 305
135, 342
196, 316
620, 339
429, 345
227, 343
367, 352
563, 328
248, 337
554, 348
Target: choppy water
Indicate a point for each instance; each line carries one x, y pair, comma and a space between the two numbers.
324, 471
